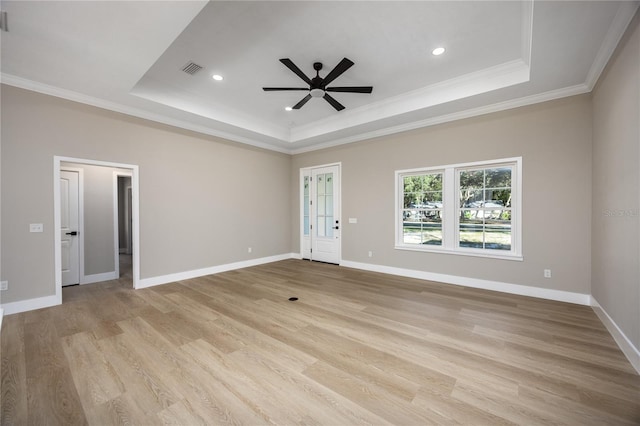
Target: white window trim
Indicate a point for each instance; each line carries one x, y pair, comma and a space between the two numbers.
450, 218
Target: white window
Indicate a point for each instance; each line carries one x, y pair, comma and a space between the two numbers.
470, 209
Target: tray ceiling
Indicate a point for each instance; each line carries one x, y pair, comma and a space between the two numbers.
129, 57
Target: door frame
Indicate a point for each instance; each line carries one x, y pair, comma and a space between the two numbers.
80, 172
308, 170
57, 160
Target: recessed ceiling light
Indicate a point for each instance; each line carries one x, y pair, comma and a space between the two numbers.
217, 77
438, 51
288, 108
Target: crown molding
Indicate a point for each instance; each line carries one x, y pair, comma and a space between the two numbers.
70, 95
474, 112
618, 26
475, 83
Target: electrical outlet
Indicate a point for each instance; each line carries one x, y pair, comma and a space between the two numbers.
249, 250
547, 273
4, 285
36, 227
370, 254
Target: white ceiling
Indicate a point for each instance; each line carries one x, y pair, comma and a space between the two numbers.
128, 56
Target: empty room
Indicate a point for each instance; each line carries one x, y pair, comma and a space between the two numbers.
315, 212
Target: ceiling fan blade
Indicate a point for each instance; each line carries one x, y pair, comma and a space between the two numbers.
353, 89
273, 89
344, 65
302, 102
289, 64
337, 105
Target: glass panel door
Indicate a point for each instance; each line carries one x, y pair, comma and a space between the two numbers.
320, 214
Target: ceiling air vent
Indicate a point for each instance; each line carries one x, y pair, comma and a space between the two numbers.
192, 68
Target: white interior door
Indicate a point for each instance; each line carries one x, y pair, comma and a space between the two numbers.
321, 214
69, 207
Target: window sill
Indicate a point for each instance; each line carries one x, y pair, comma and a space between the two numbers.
473, 253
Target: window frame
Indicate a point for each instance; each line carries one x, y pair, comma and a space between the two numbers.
451, 209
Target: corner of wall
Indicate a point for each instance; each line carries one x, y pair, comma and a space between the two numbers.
628, 349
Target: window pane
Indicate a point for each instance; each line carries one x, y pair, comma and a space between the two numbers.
320, 184
471, 229
412, 184
410, 215
329, 205
329, 226
432, 182
471, 179
432, 231
434, 213
320, 207
411, 232
328, 183
306, 205
432, 197
471, 197
493, 211
320, 228
498, 177
501, 197
412, 199
498, 234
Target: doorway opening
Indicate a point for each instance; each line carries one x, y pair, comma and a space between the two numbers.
94, 265
122, 223
320, 211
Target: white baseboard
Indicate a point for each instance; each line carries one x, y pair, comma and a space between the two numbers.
628, 349
164, 279
31, 304
522, 290
96, 278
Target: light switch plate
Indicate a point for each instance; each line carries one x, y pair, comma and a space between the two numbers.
36, 227
353, 220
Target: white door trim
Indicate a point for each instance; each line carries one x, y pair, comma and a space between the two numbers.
308, 171
80, 172
56, 216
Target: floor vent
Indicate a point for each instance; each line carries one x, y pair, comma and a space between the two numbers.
192, 68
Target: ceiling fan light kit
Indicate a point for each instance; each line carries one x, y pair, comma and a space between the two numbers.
317, 93
318, 85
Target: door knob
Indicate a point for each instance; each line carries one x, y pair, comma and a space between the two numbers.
72, 233
336, 227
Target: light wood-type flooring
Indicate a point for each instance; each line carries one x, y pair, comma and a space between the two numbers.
356, 348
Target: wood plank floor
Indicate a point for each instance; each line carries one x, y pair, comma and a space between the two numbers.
356, 348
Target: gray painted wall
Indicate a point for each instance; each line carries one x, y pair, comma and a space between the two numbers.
554, 141
616, 186
203, 200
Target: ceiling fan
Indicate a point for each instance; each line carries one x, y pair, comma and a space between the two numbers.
318, 85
